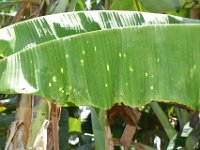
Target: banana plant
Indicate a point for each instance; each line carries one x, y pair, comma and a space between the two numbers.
100, 58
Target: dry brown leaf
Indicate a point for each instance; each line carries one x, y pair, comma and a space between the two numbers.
20, 129
41, 139
131, 118
12, 131
128, 114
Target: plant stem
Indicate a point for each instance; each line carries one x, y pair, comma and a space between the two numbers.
97, 116
170, 131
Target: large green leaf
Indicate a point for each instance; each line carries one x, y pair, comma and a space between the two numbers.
33, 32
133, 65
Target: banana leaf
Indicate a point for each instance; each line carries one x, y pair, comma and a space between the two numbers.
133, 65
30, 33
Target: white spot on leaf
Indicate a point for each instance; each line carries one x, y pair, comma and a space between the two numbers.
54, 79
120, 55
106, 85
50, 84
61, 89
107, 67
130, 69
61, 70
82, 62
146, 74
151, 87
70, 88
83, 52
